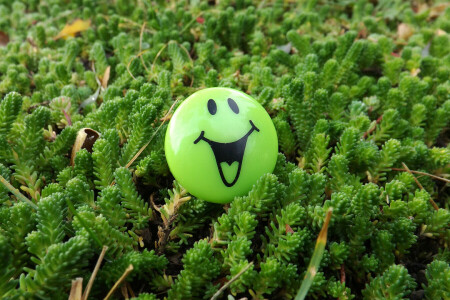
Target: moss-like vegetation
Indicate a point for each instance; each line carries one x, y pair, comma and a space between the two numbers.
358, 92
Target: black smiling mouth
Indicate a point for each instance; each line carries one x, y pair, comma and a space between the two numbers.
228, 152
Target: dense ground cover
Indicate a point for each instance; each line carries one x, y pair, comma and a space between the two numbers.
358, 92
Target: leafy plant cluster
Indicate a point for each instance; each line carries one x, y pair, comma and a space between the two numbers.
358, 92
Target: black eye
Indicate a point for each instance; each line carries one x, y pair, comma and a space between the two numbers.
233, 105
212, 107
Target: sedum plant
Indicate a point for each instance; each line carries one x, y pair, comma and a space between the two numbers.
358, 92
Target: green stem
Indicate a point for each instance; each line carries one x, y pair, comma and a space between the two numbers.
17, 193
316, 258
90, 232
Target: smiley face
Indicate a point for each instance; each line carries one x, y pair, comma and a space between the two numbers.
219, 142
227, 152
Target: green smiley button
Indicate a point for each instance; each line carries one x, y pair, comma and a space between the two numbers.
219, 142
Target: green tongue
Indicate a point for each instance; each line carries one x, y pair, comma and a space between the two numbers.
229, 171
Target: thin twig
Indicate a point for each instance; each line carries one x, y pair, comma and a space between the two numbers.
140, 46
191, 22
152, 202
226, 285
164, 234
124, 291
419, 185
368, 132
133, 58
422, 173
128, 67
94, 273
127, 284
44, 103
156, 57
151, 138
191, 60
17, 193
169, 213
118, 282
129, 21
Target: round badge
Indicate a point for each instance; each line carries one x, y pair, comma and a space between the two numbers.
219, 142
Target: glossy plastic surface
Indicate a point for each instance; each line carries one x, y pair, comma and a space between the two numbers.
219, 142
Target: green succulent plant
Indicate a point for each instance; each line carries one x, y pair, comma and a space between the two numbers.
359, 93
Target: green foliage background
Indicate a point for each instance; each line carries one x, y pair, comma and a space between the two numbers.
355, 88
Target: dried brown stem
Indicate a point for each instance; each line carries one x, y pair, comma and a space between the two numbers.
44, 103
420, 185
226, 285
169, 213
154, 134
94, 273
422, 173
156, 58
128, 67
121, 279
368, 132
190, 58
124, 291
140, 46
164, 234
342, 273
130, 290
